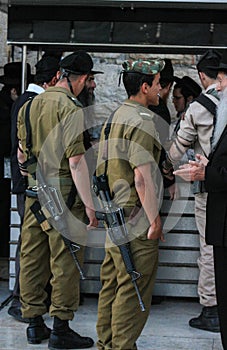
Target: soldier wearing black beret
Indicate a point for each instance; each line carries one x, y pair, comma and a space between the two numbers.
57, 143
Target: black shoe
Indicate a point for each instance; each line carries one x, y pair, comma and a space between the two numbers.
15, 312
208, 320
68, 340
37, 331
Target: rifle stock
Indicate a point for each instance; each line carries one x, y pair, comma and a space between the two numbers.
53, 210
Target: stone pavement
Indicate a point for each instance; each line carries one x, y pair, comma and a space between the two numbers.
166, 329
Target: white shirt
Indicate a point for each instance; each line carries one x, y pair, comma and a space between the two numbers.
35, 88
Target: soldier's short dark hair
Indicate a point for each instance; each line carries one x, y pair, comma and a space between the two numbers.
133, 82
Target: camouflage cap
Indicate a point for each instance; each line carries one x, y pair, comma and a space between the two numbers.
149, 66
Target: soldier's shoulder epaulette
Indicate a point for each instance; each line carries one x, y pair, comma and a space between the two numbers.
145, 115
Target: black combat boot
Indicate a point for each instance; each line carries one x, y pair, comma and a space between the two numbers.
63, 337
37, 331
208, 319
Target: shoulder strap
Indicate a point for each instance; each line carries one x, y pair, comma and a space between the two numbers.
75, 101
106, 133
28, 125
207, 103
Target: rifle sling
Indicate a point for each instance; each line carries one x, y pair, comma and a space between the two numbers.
73, 191
28, 126
106, 133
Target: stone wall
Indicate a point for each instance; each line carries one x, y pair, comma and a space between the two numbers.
107, 84
3, 38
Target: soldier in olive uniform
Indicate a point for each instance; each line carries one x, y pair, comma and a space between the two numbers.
57, 142
132, 169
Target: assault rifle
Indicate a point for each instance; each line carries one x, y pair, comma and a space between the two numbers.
114, 219
49, 209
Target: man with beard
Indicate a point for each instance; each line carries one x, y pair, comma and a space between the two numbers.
87, 98
213, 171
56, 124
196, 130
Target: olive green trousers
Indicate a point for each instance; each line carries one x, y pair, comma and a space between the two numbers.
120, 319
44, 256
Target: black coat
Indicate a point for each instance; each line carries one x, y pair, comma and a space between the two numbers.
162, 125
17, 179
216, 186
5, 109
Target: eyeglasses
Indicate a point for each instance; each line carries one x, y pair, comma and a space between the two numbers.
177, 97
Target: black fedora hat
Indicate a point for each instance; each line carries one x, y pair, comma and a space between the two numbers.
46, 68
191, 85
222, 67
210, 58
13, 73
167, 72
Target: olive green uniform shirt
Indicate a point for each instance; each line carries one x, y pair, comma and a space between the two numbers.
132, 142
55, 136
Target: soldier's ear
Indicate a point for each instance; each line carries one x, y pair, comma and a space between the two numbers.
144, 88
54, 80
58, 74
83, 78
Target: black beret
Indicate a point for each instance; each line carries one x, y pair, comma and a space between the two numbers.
79, 62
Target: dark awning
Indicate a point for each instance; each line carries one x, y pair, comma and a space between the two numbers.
119, 26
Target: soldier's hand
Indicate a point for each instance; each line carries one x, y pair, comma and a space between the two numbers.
155, 230
173, 192
93, 222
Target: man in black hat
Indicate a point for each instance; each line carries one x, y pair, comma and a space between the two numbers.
162, 118
196, 128
185, 91
46, 71
166, 82
56, 142
212, 172
11, 80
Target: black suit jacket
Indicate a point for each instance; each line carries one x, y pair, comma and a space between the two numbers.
216, 186
17, 179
